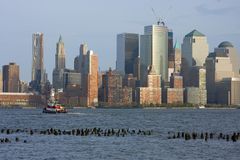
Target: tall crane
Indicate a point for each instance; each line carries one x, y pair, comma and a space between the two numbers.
159, 20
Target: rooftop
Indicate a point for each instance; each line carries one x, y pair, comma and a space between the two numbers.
225, 44
195, 33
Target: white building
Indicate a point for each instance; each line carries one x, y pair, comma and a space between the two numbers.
195, 48
154, 51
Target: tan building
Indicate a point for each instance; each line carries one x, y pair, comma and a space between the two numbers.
174, 94
90, 80
11, 78
218, 66
151, 94
231, 51
194, 52
21, 99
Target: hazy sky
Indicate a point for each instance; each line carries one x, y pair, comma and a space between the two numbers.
97, 22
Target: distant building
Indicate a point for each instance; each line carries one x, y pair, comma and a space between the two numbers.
59, 65
228, 91
71, 79
113, 91
39, 76
21, 99
23, 88
89, 78
11, 78
154, 52
127, 53
195, 48
192, 95
175, 60
194, 52
231, 51
1, 81
218, 66
151, 94
174, 94
198, 79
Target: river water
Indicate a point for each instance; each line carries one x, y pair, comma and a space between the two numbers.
132, 147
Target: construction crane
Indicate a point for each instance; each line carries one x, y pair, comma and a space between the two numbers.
159, 21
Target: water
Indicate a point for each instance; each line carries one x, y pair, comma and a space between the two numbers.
155, 146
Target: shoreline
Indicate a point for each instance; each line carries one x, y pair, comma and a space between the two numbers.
122, 107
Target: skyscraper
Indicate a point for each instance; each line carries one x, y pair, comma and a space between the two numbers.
154, 51
231, 51
218, 66
127, 53
194, 52
89, 80
195, 48
39, 77
59, 65
11, 78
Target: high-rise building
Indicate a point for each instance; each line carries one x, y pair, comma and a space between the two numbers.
195, 48
218, 66
39, 76
72, 82
177, 58
1, 81
127, 53
11, 78
194, 52
231, 51
59, 65
154, 52
89, 81
198, 80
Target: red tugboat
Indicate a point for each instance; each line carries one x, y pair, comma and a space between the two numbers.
53, 106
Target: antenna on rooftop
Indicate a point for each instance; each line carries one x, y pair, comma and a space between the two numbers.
159, 21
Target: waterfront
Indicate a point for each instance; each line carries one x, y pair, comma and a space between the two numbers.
155, 146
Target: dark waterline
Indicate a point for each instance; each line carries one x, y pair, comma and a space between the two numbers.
155, 146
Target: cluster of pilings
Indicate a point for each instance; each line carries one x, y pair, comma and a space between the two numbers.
8, 140
234, 137
81, 132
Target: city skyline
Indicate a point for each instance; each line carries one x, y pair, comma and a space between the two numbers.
79, 22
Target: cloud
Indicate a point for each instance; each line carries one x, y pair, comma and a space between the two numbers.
218, 11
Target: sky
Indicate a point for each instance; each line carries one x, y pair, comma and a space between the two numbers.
97, 22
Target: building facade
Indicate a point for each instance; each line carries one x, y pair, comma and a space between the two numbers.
195, 48
11, 79
154, 51
151, 94
39, 76
127, 53
89, 78
228, 91
194, 52
218, 66
59, 65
